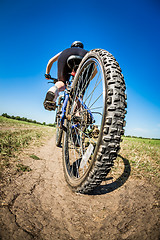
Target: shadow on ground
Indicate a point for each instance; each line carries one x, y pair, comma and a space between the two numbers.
107, 188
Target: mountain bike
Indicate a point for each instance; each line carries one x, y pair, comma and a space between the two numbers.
90, 117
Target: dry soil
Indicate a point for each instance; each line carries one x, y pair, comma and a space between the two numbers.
40, 205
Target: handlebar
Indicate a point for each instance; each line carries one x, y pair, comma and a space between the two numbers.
48, 76
54, 80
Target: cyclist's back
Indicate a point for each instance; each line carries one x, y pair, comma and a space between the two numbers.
63, 68
63, 72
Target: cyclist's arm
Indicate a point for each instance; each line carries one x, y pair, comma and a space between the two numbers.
50, 62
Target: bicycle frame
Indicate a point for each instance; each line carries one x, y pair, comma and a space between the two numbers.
64, 106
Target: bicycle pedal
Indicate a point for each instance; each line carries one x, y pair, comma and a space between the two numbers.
54, 107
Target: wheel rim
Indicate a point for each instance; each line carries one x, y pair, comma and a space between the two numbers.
82, 137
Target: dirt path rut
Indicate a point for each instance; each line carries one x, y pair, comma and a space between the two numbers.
40, 205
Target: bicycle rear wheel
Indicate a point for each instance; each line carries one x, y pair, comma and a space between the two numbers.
95, 120
59, 131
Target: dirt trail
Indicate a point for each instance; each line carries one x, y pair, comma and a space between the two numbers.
40, 205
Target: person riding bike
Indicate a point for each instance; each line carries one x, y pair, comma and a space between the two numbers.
63, 72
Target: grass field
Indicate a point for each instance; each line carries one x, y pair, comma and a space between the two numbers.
15, 136
143, 155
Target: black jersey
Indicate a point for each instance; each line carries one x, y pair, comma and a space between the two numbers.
63, 69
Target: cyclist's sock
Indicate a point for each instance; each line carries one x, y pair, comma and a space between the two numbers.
61, 86
52, 94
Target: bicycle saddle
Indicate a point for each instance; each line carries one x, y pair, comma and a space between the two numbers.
73, 61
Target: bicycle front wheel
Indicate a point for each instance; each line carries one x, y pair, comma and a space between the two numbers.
95, 120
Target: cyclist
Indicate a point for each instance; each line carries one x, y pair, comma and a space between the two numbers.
63, 72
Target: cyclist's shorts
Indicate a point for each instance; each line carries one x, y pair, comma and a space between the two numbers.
63, 69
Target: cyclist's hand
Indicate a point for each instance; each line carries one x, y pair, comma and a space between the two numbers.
47, 76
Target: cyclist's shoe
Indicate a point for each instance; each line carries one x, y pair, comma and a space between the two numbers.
51, 97
49, 103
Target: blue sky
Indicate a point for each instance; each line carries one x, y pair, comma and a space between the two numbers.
32, 31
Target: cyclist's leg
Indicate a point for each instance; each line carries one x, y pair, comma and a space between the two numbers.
50, 99
52, 95
54, 90
60, 85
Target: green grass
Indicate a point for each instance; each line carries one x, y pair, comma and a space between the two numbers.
34, 157
16, 135
143, 156
12, 122
23, 168
11, 142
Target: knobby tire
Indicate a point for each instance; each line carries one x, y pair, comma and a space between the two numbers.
111, 130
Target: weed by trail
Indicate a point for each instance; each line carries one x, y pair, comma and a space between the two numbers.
23, 168
34, 157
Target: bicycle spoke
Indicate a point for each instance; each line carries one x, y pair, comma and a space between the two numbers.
79, 90
96, 100
89, 79
95, 108
88, 137
80, 137
91, 94
84, 81
72, 143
